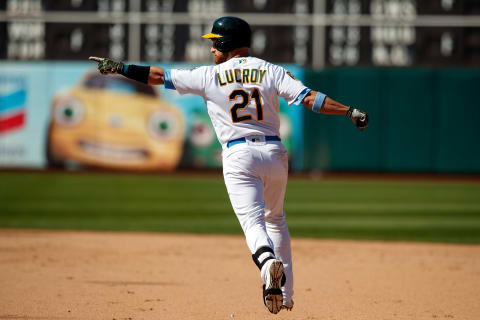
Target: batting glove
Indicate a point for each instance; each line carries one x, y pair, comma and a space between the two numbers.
108, 66
358, 117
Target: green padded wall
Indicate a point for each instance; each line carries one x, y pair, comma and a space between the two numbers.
421, 120
457, 146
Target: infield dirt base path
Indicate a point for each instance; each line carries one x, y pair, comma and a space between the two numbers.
93, 275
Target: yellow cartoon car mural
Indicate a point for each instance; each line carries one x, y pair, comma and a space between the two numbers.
114, 122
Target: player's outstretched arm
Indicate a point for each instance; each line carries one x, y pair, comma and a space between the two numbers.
330, 106
144, 74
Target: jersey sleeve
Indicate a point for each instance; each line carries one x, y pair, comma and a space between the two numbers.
289, 87
189, 81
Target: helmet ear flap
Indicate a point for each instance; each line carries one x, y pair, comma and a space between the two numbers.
224, 44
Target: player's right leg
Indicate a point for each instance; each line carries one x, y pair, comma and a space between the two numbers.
278, 233
275, 183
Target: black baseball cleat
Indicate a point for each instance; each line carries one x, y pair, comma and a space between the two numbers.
272, 290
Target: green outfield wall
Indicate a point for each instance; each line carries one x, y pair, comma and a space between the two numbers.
421, 120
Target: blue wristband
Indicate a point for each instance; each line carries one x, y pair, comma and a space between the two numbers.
318, 102
167, 79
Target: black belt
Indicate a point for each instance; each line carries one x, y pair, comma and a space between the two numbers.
242, 140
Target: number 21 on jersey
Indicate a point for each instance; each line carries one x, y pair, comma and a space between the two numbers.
245, 99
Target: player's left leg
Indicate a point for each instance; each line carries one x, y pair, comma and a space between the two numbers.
245, 190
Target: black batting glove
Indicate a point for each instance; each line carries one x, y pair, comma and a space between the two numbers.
358, 117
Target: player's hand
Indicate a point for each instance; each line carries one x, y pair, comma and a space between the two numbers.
108, 66
358, 117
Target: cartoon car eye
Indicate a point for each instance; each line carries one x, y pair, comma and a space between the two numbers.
69, 112
162, 125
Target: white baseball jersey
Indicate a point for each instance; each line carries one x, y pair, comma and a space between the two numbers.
241, 95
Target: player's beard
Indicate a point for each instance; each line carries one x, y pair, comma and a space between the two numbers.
219, 57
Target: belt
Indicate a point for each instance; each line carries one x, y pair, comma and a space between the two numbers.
242, 140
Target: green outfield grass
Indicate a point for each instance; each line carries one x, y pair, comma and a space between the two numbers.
444, 211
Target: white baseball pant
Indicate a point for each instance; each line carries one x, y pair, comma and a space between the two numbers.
256, 176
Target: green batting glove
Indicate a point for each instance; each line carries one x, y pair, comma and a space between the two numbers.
108, 66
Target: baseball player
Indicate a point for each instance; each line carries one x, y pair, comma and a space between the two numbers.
241, 95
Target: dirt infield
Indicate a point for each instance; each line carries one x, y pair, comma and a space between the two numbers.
87, 275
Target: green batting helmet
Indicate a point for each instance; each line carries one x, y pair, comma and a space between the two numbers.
231, 33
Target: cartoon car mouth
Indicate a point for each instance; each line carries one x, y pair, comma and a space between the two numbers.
112, 152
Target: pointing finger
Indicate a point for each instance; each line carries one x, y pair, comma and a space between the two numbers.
96, 59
